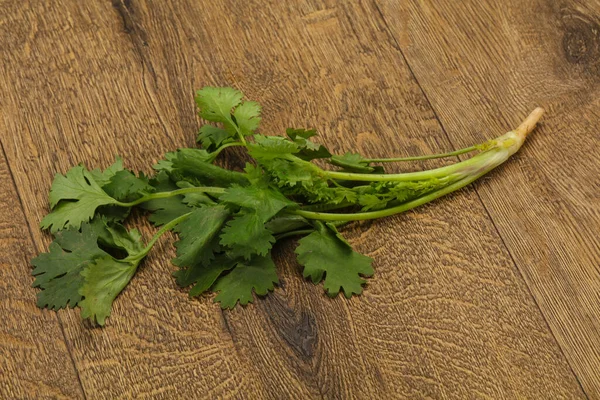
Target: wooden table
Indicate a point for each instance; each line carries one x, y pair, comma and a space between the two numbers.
492, 292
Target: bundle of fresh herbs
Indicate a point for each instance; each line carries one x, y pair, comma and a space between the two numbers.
228, 221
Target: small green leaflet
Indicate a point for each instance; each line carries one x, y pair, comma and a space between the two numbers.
265, 201
104, 279
246, 235
196, 234
215, 104
309, 149
324, 253
166, 165
247, 117
204, 276
125, 186
103, 177
212, 137
258, 274
270, 147
74, 199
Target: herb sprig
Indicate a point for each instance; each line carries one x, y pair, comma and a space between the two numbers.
228, 221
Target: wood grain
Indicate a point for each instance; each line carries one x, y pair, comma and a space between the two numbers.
447, 314
484, 64
34, 359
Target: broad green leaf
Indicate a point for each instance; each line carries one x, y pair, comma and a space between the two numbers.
247, 117
125, 186
324, 253
265, 201
216, 104
270, 147
196, 235
309, 150
212, 137
246, 235
258, 275
74, 199
103, 177
204, 276
104, 279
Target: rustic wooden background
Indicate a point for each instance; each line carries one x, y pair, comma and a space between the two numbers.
493, 292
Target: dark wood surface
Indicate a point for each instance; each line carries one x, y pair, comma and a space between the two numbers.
492, 292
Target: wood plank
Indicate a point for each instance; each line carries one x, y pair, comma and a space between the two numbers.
34, 358
485, 64
73, 90
447, 314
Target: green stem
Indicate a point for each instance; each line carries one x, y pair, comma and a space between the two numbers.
226, 145
237, 129
409, 176
326, 207
427, 157
164, 195
294, 233
166, 227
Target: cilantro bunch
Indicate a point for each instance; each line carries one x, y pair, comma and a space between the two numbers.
228, 221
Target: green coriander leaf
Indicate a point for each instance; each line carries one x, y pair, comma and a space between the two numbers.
58, 271
104, 279
265, 201
74, 199
246, 235
255, 175
125, 186
204, 276
325, 253
258, 274
61, 273
166, 165
215, 104
212, 137
196, 235
287, 173
269, 147
309, 149
247, 117
103, 177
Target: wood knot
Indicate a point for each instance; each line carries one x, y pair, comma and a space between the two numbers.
581, 40
298, 328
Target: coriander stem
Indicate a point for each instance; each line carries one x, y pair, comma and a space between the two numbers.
166, 227
237, 129
407, 176
226, 145
294, 233
163, 195
426, 157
